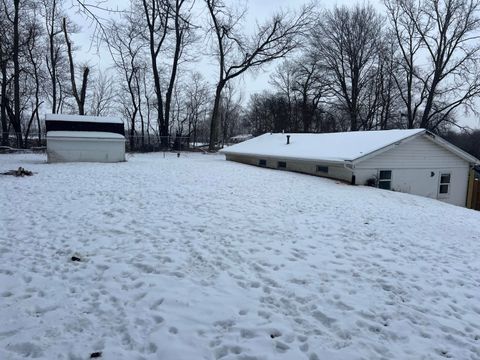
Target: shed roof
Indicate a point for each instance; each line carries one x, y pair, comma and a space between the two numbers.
84, 118
330, 147
80, 126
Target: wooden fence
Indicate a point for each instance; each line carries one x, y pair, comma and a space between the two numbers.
473, 199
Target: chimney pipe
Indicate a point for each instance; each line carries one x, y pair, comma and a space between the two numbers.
288, 139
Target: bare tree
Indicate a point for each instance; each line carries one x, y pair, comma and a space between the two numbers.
52, 15
197, 100
347, 39
5, 57
311, 83
268, 112
79, 97
126, 49
447, 32
103, 94
21, 64
236, 53
179, 118
34, 56
159, 15
283, 80
15, 113
183, 37
389, 106
230, 111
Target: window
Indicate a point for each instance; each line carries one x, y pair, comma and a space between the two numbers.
444, 187
282, 165
262, 162
321, 168
385, 179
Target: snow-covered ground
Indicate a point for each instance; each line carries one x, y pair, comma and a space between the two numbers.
199, 258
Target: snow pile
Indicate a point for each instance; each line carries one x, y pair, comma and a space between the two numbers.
327, 146
199, 258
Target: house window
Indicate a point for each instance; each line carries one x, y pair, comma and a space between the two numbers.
262, 162
385, 179
444, 184
323, 169
282, 165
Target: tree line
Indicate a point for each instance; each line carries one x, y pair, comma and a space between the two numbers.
415, 66
348, 68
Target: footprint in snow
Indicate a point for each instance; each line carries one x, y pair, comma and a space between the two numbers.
158, 319
324, 319
275, 333
156, 304
281, 347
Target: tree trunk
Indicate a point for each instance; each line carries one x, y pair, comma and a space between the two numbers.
3, 103
173, 74
16, 120
53, 60
425, 123
305, 113
80, 99
132, 132
214, 119
163, 131
83, 92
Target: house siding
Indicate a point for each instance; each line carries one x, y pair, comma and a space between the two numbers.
305, 167
417, 153
416, 168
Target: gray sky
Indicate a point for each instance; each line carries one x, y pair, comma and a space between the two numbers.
258, 10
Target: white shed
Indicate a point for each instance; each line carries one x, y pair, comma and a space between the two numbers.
413, 161
73, 138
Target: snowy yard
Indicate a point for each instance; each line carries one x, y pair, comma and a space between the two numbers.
199, 258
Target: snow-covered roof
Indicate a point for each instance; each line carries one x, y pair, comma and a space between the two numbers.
83, 118
335, 147
84, 134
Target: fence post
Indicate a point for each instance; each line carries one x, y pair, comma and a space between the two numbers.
471, 178
476, 194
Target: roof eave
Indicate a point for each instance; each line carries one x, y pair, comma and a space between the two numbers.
329, 161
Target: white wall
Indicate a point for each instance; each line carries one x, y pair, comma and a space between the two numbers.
306, 167
88, 149
412, 164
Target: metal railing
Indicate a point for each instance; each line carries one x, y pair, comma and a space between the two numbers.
32, 142
147, 143
160, 143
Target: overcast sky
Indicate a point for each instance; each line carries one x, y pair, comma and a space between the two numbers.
258, 10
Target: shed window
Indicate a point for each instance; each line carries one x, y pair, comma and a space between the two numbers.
262, 162
444, 184
282, 165
323, 169
385, 179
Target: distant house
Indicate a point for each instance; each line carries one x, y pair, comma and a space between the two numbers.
73, 138
412, 161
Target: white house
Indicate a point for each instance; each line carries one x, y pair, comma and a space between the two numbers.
84, 138
412, 161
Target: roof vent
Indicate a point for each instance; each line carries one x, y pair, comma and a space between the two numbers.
288, 139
